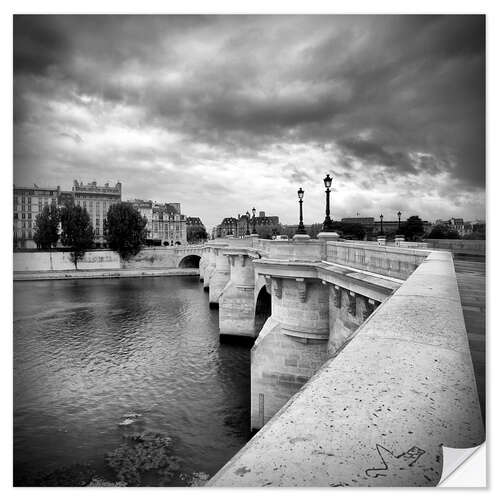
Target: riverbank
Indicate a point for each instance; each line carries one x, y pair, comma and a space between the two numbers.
102, 273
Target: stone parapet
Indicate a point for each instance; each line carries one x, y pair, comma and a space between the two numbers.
388, 261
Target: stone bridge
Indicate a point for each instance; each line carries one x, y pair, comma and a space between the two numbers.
360, 359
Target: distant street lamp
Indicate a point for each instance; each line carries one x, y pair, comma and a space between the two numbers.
253, 221
248, 224
327, 225
399, 221
301, 229
381, 224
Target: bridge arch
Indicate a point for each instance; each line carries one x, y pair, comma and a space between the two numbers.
262, 308
190, 261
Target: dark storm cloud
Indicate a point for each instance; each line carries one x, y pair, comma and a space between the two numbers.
378, 95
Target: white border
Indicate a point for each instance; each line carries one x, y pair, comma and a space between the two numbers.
256, 6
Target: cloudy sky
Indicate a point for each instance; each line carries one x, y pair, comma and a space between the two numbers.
225, 113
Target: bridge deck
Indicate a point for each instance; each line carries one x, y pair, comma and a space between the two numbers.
471, 278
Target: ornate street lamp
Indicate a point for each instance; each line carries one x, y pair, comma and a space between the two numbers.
248, 224
301, 229
327, 225
253, 221
399, 221
381, 224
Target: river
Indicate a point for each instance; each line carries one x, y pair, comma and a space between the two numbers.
124, 380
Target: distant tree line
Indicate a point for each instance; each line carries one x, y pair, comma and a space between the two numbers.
124, 229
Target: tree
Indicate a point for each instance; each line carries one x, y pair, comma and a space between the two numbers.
77, 232
196, 233
47, 227
413, 228
443, 232
125, 229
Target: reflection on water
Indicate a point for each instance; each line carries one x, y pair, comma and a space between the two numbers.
90, 355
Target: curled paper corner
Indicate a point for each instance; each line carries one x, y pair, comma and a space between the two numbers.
454, 463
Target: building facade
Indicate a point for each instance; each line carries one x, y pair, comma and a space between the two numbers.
165, 224
265, 225
97, 200
28, 202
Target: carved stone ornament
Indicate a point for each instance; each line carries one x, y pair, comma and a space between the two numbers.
369, 308
352, 303
337, 291
268, 284
278, 287
302, 289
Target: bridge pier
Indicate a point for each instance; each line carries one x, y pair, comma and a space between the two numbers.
210, 267
291, 346
219, 277
203, 263
236, 304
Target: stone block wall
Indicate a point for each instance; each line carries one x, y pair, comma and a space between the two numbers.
347, 312
61, 261
281, 365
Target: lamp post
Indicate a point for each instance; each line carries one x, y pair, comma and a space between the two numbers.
327, 225
381, 224
253, 221
399, 221
248, 224
301, 229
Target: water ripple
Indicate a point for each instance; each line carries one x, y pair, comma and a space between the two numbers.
86, 353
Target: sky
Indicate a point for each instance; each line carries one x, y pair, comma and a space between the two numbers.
226, 113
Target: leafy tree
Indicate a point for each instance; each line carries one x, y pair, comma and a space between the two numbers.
196, 233
47, 227
77, 232
443, 232
125, 229
352, 230
413, 228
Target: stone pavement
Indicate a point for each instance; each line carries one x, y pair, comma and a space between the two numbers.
471, 278
102, 273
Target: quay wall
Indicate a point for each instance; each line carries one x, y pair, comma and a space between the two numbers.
160, 257
378, 412
61, 261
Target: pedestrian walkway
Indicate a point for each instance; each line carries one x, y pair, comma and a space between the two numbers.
471, 278
103, 273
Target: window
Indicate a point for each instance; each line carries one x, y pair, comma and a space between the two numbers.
16, 215
29, 215
23, 216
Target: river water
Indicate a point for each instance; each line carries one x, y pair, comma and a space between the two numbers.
124, 368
